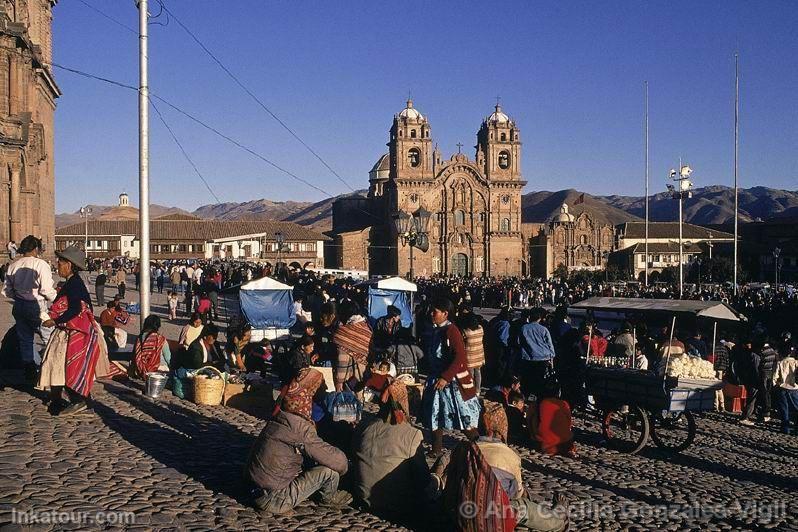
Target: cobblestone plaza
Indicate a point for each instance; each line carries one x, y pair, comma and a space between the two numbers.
169, 464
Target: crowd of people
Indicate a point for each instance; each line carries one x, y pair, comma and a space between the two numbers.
515, 379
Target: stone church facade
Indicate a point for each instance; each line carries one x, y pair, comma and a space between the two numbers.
580, 241
27, 106
475, 227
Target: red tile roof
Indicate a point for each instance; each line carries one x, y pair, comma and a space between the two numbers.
176, 229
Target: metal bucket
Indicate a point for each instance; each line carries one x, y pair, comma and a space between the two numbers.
156, 382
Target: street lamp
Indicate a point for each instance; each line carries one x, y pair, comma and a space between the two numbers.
413, 229
85, 212
679, 192
776, 253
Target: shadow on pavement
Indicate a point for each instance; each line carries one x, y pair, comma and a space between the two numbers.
205, 449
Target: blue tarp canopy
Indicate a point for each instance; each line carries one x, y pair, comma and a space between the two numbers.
392, 291
267, 303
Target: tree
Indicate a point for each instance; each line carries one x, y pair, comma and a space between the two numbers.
561, 271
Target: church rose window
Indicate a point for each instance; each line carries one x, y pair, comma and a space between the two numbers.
504, 160
414, 157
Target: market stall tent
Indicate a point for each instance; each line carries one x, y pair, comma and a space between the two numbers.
390, 291
267, 305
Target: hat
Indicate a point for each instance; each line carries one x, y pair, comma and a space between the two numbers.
73, 255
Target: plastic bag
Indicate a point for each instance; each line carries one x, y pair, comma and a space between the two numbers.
344, 406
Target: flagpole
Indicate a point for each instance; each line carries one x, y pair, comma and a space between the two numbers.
646, 146
736, 151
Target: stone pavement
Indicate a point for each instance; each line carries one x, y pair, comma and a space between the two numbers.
169, 464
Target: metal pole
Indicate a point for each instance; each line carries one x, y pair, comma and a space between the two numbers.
681, 250
86, 236
144, 166
736, 146
646, 143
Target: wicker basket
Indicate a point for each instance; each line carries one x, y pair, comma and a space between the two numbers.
208, 391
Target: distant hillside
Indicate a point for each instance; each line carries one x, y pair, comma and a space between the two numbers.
709, 205
315, 215
713, 205
106, 212
543, 206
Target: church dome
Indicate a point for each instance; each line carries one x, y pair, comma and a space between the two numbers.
499, 116
381, 168
564, 215
410, 112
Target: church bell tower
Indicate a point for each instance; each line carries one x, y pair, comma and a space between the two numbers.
410, 145
499, 147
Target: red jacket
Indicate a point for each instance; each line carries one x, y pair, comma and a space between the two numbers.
454, 351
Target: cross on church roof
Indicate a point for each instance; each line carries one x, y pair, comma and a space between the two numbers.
459, 146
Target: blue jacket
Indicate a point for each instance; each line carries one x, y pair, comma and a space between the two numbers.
536, 344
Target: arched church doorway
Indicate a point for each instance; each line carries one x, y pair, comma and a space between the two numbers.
460, 264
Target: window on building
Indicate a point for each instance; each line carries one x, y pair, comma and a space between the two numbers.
657, 258
583, 239
505, 224
504, 137
412, 133
436, 264
459, 217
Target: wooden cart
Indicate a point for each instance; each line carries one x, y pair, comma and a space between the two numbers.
635, 405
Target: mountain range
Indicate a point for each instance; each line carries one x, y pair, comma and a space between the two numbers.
709, 205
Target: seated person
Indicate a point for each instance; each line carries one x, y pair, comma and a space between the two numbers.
406, 353
256, 355
390, 471
385, 331
110, 320
151, 350
516, 418
501, 392
550, 423
238, 340
191, 330
303, 348
203, 351
493, 490
276, 463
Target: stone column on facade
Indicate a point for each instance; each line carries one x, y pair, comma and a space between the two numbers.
13, 89
14, 203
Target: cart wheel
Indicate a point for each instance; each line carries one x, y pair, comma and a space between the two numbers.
626, 429
674, 431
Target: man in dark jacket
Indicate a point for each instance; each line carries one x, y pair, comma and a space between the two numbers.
275, 466
759, 388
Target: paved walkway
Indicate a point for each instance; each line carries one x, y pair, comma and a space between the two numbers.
170, 464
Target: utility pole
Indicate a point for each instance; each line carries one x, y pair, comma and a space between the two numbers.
646, 143
736, 152
144, 165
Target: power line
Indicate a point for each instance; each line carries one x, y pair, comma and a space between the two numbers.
210, 128
109, 17
179, 145
252, 95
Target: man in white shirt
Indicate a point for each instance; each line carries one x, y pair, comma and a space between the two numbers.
784, 380
29, 282
12, 250
197, 277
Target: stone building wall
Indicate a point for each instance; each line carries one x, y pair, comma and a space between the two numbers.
27, 106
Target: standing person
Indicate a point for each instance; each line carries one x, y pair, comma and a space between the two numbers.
475, 350
99, 287
537, 354
120, 279
12, 250
137, 274
721, 365
72, 353
174, 278
29, 282
450, 400
784, 380
172, 302
160, 278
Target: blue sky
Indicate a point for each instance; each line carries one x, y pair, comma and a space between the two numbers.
570, 73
